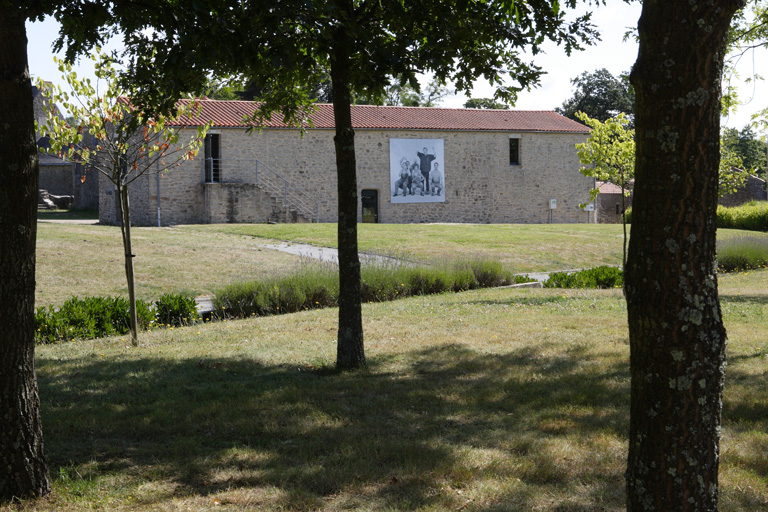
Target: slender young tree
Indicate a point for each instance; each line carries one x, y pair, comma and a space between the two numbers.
677, 338
125, 144
280, 47
23, 468
610, 155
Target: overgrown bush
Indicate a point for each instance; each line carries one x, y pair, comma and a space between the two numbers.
742, 253
597, 277
382, 281
308, 289
176, 310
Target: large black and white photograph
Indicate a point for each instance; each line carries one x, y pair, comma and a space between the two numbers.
417, 170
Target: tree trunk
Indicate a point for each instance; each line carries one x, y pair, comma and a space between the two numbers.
23, 469
677, 338
350, 351
124, 208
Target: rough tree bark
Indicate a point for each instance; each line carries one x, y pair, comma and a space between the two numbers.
677, 338
23, 469
350, 351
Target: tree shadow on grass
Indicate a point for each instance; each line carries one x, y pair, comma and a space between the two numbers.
383, 439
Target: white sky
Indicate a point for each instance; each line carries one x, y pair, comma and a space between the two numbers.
611, 53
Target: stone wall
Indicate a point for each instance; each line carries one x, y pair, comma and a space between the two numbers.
239, 203
608, 207
481, 185
753, 189
57, 179
86, 185
139, 199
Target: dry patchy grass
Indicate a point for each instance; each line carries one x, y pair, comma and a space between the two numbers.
491, 400
80, 260
519, 247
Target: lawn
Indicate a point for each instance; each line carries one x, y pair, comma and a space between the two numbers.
85, 260
519, 247
490, 400
80, 260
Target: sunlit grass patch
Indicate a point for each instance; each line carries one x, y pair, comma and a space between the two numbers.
486, 400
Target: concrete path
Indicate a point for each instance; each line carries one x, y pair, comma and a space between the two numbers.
331, 254
70, 221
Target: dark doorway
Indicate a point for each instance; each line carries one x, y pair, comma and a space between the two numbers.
370, 200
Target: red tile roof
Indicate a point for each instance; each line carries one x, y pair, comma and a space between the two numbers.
606, 187
231, 114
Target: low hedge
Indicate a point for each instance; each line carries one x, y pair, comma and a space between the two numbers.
96, 317
751, 216
597, 277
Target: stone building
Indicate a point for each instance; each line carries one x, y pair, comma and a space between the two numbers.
58, 176
608, 203
414, 164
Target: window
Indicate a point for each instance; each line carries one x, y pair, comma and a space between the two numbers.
212, 158
514, 151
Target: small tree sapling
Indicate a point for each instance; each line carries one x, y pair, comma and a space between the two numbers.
113, 138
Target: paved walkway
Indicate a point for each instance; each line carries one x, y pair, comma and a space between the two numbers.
331, 254
70, 221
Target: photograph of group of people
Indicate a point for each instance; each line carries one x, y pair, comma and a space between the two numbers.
416, 170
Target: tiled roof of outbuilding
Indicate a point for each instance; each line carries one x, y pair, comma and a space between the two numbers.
231, 114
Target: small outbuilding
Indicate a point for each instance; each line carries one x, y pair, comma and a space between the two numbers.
414, 164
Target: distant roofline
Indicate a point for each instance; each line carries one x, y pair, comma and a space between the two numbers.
231, 113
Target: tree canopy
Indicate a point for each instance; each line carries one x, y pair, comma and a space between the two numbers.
485, 103
601, 96
745, 144
283, 46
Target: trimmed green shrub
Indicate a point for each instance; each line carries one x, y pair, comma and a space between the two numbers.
90, 317
176, 310
751, 216
597, 277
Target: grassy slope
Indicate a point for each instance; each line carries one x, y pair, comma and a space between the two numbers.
520, 247
492, 400
88, 260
